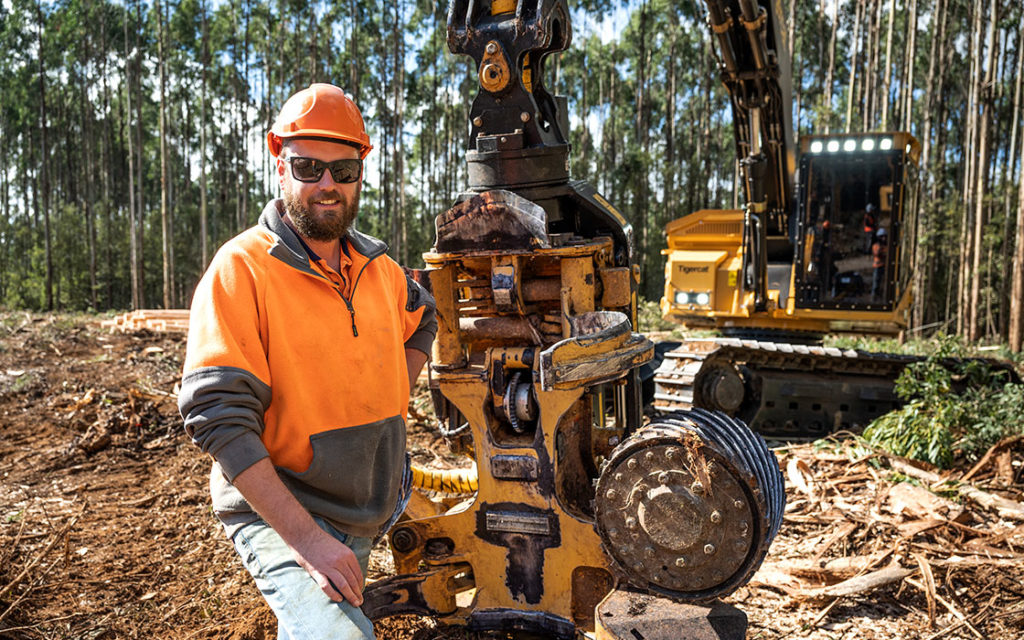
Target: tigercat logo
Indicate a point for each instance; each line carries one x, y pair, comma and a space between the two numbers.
687, 270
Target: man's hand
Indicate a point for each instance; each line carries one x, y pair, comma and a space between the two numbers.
330, 563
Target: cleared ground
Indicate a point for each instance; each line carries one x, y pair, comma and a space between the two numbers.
106, 529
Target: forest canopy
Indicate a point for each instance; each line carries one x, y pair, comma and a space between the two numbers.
131, 134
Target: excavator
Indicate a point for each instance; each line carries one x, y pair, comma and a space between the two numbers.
822, 245
579, 518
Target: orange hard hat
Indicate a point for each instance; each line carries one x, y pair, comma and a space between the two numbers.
319, 111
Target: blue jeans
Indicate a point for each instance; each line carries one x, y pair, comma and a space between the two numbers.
303, 610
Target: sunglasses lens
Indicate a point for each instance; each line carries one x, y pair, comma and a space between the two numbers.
345, 171
306, 169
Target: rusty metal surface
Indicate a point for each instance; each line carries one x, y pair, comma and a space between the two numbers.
687, 507
626, 615
495, 219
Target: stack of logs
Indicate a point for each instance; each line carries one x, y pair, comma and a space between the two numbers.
151, 319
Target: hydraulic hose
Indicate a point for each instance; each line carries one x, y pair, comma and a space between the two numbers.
447, 481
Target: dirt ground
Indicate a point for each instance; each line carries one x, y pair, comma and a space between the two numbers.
106, 529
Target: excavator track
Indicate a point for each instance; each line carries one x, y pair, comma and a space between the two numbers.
782, 390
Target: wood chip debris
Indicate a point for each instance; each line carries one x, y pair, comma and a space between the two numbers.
864, 527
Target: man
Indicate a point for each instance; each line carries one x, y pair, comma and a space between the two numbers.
879, 255
870, 225
304, 340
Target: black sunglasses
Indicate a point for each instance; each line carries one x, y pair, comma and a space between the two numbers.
311, 170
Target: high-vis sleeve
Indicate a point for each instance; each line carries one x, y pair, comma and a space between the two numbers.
225, 387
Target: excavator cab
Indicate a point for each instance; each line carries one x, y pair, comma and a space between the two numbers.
852, 232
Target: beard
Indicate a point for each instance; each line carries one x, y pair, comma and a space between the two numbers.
330, 225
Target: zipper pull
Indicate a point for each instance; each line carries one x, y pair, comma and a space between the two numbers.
352, 313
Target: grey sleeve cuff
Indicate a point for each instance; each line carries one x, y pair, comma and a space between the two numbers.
223, 410
424, 334
423, 338
239, 454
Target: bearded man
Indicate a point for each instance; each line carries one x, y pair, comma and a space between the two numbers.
304, 341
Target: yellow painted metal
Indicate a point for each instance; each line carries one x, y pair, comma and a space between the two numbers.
705, 252
544, 499
494, 68
502, 6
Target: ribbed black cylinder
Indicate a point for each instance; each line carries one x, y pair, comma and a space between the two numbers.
688, 506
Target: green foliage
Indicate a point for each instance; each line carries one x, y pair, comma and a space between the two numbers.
649, 317
954, 408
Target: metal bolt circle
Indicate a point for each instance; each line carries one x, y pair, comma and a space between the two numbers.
492, 47
638, 479
716, 517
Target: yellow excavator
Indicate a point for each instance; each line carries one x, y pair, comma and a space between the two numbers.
822, 245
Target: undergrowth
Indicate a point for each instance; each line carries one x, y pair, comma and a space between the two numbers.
954, 408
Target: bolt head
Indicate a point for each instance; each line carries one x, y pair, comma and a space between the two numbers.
478, 121
671, 452
525, 117
611, 494
649, 456
649, 551
631, 464
631, 522
619, 477
638, 567
716, 517
709, 549
738, 504
680, 562
491, 47
664, 477
697, 488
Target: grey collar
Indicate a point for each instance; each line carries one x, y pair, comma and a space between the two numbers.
289, 249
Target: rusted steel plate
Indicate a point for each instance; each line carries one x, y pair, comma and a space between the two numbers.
626, 615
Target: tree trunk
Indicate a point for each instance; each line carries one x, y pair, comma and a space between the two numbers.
1017, 291
887, 72
908, 82
44, 154
165, 214
204, 234
1009, 169
984, 96
831, 66
855, 45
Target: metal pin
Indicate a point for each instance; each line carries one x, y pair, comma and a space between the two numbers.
716, 517
478, 121
525, 117
709, 549
680, 562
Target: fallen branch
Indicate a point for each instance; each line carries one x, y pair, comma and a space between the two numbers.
1004, 507
1003, 444
860, 584
949, 607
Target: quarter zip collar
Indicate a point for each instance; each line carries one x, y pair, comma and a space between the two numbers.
288, 248
291, 250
